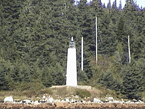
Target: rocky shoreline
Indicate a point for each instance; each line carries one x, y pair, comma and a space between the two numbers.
71, 101
72, 106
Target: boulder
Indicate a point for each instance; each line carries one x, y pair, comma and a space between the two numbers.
66, 99
72, 101
116, 101
140, 101
62, 101
110, 99
105, 101
27, 101
36, 103
134, 100
96, 100
8, 99
44, 97
76, 96
129, 102
50, 100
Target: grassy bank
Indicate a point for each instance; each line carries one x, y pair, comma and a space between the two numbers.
59, 93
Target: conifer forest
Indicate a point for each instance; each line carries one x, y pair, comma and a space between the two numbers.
35, 36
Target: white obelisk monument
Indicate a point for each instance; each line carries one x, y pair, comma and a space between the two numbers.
71, 76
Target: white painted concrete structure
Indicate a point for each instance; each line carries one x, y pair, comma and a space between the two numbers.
71, 76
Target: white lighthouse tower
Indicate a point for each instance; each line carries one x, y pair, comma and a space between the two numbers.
71, 74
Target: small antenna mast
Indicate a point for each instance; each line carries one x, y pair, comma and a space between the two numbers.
82, 56
96, 42
129, 50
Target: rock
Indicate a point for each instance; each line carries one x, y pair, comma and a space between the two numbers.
66, 99
110, 102
134, 100
44, 97
50, 100
110, 99
83, 101
27, 101
42, 101
95, 100
140, 101
72, 101
9, 99
105, 101
129, 102
122, 100
76, 96
89, 101
19, 102
36, 103
62, 100
115, 101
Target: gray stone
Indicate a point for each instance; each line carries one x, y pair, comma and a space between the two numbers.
27, 101
50, 100
110, 99
8, 99
96, 100
66, 99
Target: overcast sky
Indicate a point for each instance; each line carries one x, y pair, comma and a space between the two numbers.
139, 2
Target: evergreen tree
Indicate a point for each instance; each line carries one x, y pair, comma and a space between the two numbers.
3, 81
100, 2
120, 5
121, 41
114, 6
109, 5
132, 82
82, 77
104, 5
47, 79
107, 79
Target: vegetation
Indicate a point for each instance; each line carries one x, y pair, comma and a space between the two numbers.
82, 93
34, 37
59, 93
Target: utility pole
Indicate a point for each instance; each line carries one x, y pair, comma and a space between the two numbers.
96, 42
129, 50
82, 55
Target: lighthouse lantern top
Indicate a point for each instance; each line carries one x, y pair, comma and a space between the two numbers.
71, 43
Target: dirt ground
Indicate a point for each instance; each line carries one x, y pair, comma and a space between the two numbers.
72, 106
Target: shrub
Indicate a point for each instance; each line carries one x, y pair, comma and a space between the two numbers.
82, 93
48, 91
29, 93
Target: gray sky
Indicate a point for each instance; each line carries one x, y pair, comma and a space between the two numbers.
139, 2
